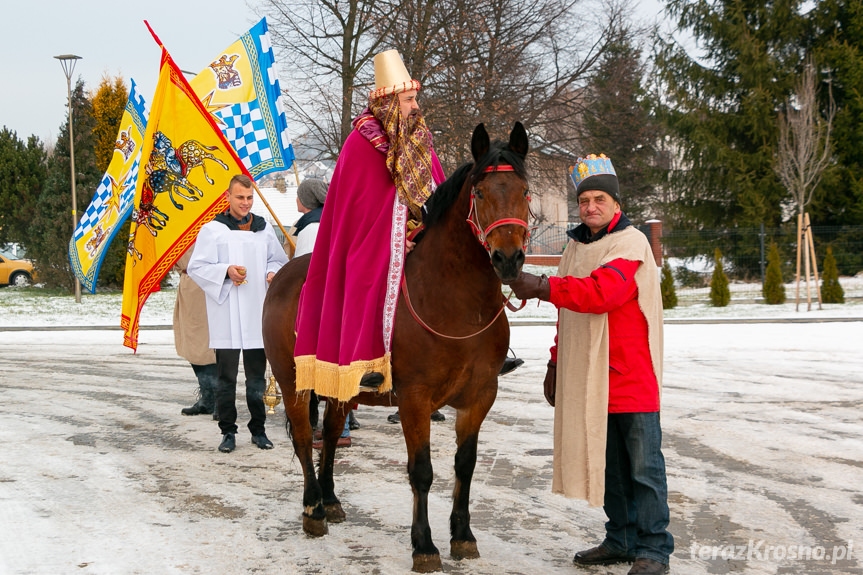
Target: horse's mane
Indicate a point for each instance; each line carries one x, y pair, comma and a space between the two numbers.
446, 194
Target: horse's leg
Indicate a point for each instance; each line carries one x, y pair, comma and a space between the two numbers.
204, 167
183, 186
468, 422
334, 423
314, 515
416, 425
171, 196
278, 319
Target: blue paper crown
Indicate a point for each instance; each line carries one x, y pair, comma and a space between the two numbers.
592, 165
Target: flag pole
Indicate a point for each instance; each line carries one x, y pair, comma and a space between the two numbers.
296, 173
275, 217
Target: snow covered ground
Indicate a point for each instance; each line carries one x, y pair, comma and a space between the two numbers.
100, 474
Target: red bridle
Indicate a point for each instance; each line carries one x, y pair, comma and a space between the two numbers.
473, 216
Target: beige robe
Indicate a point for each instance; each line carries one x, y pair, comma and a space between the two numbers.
191, 333
581, 398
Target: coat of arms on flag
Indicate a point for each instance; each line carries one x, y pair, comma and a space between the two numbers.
240, 89
112, 201
187, 166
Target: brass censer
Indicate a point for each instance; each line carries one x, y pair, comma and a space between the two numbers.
272, 396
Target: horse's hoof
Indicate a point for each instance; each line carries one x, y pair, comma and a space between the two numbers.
315, 527
335, 513
427, 563
463, 550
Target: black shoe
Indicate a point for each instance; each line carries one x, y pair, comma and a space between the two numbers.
371, 381
510, 364
394, 418
352, 421
601, 555
438, 416
262, 441
197, 409
645, 566
229, 443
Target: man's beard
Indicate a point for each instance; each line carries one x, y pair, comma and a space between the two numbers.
415, 129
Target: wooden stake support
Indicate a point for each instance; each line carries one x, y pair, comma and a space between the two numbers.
806, 251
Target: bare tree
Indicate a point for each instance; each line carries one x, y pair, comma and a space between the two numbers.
492, 61
803, 154
497, 61
804, 140
327, 47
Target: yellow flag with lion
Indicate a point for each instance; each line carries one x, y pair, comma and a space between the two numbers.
188, 165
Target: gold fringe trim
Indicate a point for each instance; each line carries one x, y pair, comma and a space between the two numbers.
341, 382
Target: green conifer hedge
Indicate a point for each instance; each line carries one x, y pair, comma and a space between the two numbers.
666, 286
720, 295
773, 289
831, 290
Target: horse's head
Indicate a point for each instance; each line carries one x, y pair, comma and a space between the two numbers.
500, 205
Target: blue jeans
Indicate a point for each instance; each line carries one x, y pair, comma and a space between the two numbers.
636, 493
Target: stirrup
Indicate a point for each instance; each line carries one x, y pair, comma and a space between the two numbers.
371, 381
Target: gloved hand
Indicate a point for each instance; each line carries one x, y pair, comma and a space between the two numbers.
548, 386
527, 286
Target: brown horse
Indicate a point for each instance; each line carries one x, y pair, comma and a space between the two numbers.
454, 287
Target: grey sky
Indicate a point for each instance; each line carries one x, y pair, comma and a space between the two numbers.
111, 37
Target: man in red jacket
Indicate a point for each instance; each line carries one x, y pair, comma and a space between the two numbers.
606, 395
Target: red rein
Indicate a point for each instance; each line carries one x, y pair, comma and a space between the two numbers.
473, 216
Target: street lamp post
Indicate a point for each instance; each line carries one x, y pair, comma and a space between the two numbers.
68, 62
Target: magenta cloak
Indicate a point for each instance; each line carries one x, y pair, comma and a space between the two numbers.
347, 306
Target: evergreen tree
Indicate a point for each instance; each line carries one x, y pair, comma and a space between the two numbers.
109, 101
666, 286
722, 107
720, 295
22, 175
836, 33
773, 289
51, 227
831, 290
618, 124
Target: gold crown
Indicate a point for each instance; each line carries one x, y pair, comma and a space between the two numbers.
592, 165
391, 76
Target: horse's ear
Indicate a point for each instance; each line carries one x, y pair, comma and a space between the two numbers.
479, 143
518, 140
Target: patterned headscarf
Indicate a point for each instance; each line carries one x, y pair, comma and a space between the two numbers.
409, 158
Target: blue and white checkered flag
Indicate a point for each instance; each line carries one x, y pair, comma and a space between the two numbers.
241, 90
112, 201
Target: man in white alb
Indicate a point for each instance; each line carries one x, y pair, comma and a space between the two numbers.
236, 255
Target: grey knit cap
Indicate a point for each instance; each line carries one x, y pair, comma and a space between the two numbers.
312, 192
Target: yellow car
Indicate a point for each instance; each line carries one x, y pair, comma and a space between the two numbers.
15, 272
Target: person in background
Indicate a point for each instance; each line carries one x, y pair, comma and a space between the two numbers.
311, 195
607, 434
192, 338
235, 258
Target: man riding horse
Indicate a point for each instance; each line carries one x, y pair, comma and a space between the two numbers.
385, 173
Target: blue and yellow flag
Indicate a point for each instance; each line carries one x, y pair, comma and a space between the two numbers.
187, 166
112, 202
240, 88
